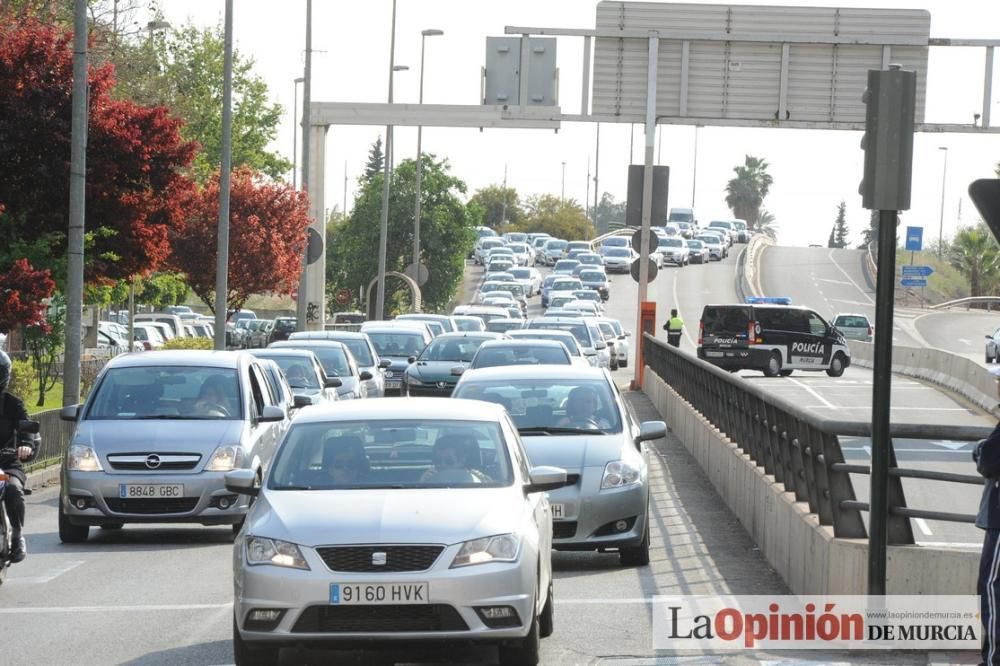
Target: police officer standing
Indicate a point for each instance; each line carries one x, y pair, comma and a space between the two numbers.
12, 412
987, 457
673, 327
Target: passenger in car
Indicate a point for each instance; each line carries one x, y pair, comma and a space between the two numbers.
345, 460
455, 456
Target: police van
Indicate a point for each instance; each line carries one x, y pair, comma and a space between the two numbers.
771, 335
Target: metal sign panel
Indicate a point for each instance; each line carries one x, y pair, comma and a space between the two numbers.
752, 63
913, 282
503, 70
917, 271
914, 239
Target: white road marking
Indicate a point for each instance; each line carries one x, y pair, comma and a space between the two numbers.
871, 301
954, 446
950, 544
924, 527
868, 450
807, 389
899, 450
833, 281
48, 576
849, 302
895, 409
113, 609
965, 341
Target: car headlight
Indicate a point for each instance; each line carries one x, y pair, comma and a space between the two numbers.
261, 550
82, 458
618, 474
500, 548
225, 459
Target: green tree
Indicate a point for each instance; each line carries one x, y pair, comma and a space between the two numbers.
162, 289
376, 161
560, 218
975, 254
183, 70
446, 236
44, 341
838, 235
766, 224
746, 192
609, 211
501, 205
870, 234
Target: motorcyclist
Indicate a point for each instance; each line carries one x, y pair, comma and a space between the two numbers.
12, 412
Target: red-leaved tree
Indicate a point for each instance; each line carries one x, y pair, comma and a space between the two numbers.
135, 155
22, 290
267, 235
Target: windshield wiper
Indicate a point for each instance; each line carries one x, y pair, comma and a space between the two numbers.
556, 430
169, 417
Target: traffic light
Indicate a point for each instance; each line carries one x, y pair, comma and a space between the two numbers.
888, 138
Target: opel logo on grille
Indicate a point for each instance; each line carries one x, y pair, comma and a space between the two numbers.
152, 461
379, 559
442, 384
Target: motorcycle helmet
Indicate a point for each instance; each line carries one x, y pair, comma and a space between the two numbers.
5, 368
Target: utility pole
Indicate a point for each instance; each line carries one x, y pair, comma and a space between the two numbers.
597, 168
77, 210
562, 192
503, 215
302, 299
586, 195
424, 34
384, 224
295, 129
222, 258
345, 188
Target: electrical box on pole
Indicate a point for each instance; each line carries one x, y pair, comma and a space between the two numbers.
511, 59
633, 204
888, 139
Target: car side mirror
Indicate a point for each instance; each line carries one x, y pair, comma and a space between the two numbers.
365, 375
301, 401
989, 337
628, 333
70, 413
332, 382
28, 426
411, 359
650, 430
542, 479
242, 481
384, 363
457, 370
272, 414
600, 345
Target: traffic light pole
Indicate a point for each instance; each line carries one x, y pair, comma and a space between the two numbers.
878, 514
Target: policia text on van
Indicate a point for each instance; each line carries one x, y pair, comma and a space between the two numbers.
775, 339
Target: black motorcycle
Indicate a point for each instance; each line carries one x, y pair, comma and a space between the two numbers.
27, 435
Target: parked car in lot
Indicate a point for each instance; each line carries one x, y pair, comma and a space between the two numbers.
854, 326
443, 530
148, 336
260, 332
575, 418
156, 435
435, 371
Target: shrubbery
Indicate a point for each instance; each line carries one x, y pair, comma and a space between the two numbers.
189, 343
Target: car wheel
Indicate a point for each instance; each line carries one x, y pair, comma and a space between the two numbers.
526, 653
636, 556
786, 373
773, 368
836, 368
252, 654
68, 532
546, 621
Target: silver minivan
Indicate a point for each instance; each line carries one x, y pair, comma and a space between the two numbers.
158, 433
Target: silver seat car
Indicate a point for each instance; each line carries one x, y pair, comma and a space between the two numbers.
363, 352
156, 436
575, 418
395, 521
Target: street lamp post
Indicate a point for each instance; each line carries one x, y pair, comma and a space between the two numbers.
384, 222
424, 34
694, 168
562, 193
295, 128
944, 176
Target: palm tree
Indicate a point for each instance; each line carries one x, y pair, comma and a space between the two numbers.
766, 224
745, 193
976, 255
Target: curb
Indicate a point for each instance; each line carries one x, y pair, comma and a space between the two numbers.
45, 477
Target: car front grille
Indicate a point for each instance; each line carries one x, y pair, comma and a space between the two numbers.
397, 558
153, 462
563, 529
381, 618
145, 505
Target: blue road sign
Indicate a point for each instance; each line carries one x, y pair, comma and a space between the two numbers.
917, 271
913, 282
914, 238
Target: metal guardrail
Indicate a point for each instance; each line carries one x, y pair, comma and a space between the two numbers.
967, 301
800, 449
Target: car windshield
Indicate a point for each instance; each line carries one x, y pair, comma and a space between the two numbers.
167, 392
709, 240
521, 273
671, 242
392, 454
359, 350
615, 241
695, 244
298, 371
469, 324
496, 355
618, 252
555, 245
591, 259
564, 337
616, 326
587, 295
550, 406
592, 276
401, 344
851, 321
451, 349
333, 359
566, 285
579, 330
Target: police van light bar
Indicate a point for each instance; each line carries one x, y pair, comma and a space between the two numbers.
772, 300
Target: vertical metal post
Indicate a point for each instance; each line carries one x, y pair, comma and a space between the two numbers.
77, 209
647, 185
302, 297
944, 179
879, 494
586, 196
420, 169
597, 169
585, 99
988, 88
295, 130
131, 311
562, 191
344, 211
384, 223
222, 258
694, 167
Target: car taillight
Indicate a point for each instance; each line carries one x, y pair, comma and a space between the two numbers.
869, 329
701, 333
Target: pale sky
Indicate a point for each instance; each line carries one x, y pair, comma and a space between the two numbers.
813, 170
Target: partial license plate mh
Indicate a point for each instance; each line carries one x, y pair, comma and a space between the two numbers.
373, 594
150, 490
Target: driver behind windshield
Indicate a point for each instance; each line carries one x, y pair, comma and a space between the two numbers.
454, 458
581, 409
212, 398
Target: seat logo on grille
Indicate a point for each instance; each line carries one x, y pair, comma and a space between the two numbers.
152, 461
379, 559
